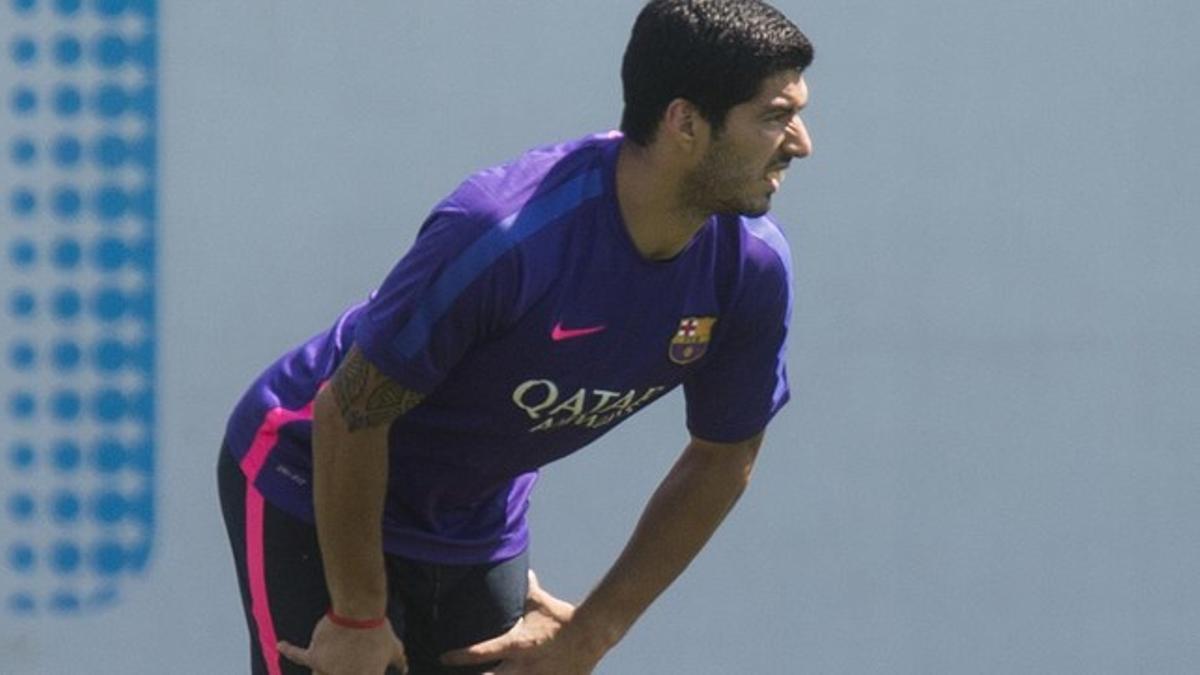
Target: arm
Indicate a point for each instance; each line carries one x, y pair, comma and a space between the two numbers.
351, 418
685, 510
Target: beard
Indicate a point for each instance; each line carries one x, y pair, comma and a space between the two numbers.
724, 184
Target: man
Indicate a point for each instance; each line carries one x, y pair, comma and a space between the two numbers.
543, 302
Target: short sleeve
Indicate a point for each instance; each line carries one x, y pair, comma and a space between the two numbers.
449, 291
740, 387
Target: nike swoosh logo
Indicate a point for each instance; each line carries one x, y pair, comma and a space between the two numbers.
559, 333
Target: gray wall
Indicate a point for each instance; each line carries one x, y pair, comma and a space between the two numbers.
990, 463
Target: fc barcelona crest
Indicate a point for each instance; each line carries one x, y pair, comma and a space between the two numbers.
691, 340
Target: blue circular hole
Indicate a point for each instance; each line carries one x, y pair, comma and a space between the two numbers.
110, 8
66, 507
24, 101
23, 151
67, 150
145, 204
111, 100
143, 102
66, 405
23, 5
66, 456
142, 255
67, 304
67, 100
22, 405
110, 304
65, 557
144, 150
65, 602
21, 557
103, 597
111, 51
145, 51
22, 304
21, 604
143, 406
67, 7
110, 405
67, 202
21, 456
67, 254
111, 151
23, 201
66, 355
109, 456
21, 507
22, 355
110, 355
111, 254
109, 508
23, 253
67, 50
24, 50
138, 556
108, 558
111, 202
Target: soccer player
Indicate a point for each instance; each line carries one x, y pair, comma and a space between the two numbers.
375, 479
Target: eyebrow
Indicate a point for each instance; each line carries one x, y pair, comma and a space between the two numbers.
773, 108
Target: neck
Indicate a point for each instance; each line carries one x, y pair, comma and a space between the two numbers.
648, 191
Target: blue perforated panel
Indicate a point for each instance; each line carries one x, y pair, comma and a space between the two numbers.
77, 287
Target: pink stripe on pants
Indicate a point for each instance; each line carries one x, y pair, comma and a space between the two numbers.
252, 464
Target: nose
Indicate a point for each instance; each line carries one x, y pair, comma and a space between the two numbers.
797, 143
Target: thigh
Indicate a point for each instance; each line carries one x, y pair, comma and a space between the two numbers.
453, 606
279, 570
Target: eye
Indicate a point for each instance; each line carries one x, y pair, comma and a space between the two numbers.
783, 117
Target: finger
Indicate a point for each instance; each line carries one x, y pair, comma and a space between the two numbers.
535, 595
490, 650
293, 653
399, 658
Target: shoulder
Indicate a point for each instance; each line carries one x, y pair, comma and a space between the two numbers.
489, 229
496, 211
757, 270
554, 177
765, 249
754, 257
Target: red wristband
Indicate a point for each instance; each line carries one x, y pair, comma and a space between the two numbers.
346, 622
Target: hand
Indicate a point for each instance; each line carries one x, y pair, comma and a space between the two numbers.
531, 647
334, 650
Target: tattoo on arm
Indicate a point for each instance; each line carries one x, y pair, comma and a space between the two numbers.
366, 397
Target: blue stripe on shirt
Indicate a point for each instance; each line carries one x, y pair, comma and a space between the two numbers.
472, 262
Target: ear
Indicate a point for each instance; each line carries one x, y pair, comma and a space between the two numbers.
682, 123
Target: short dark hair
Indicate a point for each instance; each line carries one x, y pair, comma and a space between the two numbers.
714, 53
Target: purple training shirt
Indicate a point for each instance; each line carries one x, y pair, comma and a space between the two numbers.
528, 318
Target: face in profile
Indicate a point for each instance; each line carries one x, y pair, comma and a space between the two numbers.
745, 160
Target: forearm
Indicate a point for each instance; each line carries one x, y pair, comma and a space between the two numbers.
682, 515
349, 486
